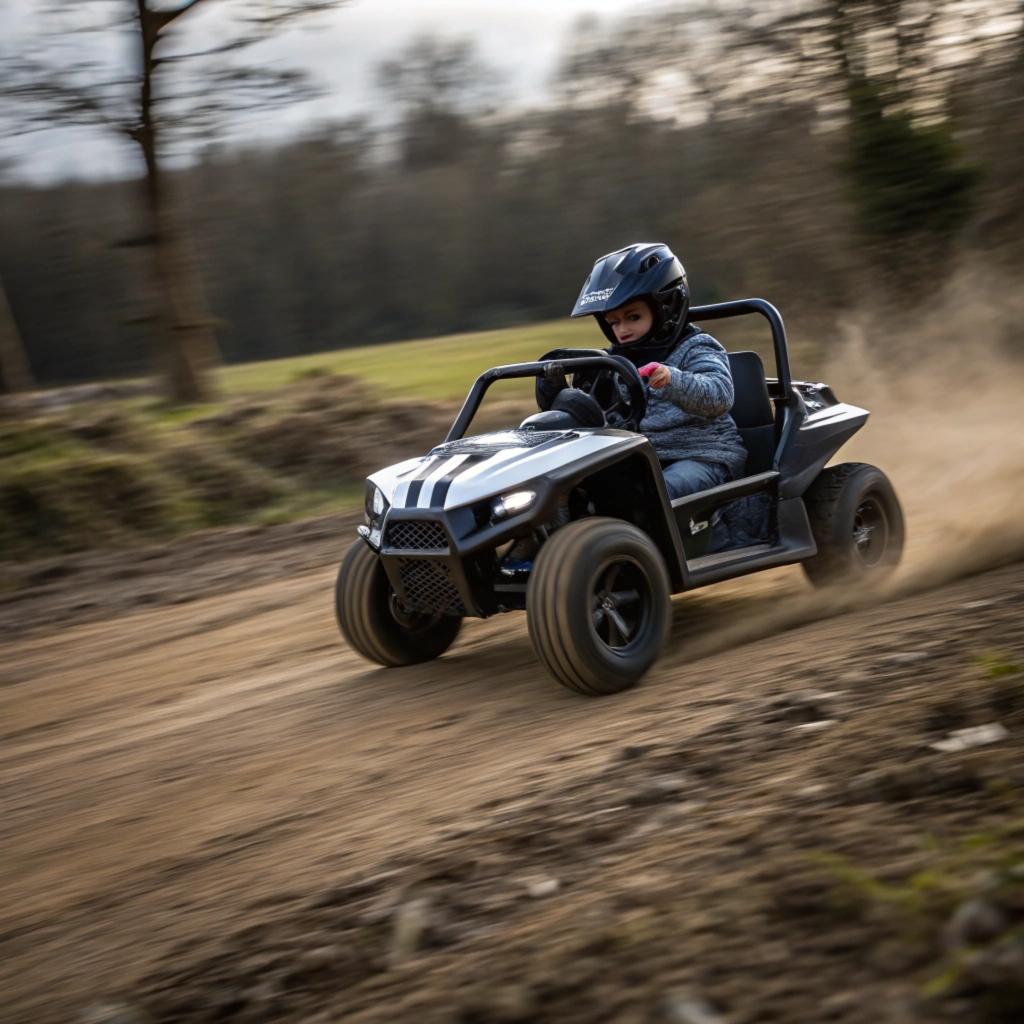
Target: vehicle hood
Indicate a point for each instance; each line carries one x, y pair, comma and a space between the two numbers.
459, 472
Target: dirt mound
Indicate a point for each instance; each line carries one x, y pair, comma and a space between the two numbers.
326, 427
91, 476
72, 589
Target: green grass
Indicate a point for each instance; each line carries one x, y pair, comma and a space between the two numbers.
436, 369
309, 503
997, 665
988, 866
443, 369
115, 473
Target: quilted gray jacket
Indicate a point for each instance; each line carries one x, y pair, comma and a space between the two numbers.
689, 417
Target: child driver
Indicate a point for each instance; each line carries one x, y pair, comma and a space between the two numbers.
640, 298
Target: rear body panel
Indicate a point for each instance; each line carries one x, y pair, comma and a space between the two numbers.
816, 436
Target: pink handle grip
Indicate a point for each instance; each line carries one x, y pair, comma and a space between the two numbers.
646, 371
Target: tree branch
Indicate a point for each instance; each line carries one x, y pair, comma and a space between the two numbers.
164, 18
49, 91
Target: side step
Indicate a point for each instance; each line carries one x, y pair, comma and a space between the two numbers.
795, 544
726, 557
727, 564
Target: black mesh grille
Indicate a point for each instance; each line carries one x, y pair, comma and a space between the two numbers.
428, 587
416, 535
491, 444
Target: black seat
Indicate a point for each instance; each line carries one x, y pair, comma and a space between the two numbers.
752, 411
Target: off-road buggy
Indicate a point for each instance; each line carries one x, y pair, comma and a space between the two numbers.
611, 548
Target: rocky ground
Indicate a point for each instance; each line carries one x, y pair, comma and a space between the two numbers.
213, 811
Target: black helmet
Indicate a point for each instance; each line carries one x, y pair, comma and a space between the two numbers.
647, 270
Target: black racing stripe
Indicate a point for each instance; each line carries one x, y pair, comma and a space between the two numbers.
413, 494
440, 491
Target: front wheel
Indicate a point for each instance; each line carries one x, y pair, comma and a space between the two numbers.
598, 605
857, 524
376, 625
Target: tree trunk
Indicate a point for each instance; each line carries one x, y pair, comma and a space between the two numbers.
188, 338
15, 372
188, 341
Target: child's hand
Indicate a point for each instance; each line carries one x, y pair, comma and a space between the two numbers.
657, 374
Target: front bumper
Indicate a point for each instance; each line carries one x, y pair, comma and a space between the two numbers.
443, 561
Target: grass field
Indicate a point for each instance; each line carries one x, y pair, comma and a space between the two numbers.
442, 369
436, 369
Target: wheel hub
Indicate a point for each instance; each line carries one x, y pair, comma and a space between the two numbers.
870, 532
620, 603
412, 621
862, 535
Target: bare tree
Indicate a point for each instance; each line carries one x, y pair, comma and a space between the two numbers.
168, 90
15, 373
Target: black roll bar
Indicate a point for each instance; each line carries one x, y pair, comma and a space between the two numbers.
545, 368
562, 367
741, 307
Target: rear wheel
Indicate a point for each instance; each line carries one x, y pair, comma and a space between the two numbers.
374, 622
857, 524
598, 606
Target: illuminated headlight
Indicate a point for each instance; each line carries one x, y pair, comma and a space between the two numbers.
376, 504
509, 504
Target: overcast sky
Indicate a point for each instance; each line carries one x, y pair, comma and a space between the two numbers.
521, 37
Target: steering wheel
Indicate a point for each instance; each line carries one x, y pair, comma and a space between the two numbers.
619, 392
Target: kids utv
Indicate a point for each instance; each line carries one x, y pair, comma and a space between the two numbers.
611, 547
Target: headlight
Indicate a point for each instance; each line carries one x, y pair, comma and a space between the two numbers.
509, 504
376, 504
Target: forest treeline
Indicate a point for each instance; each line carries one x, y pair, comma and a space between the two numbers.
796, 158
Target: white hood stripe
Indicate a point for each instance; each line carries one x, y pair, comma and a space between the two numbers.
409, 490
425, 499
440, 490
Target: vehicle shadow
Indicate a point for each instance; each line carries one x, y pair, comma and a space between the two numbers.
488, 656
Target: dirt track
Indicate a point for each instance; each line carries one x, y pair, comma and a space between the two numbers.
182, 786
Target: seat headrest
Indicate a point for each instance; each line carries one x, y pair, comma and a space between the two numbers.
751, 406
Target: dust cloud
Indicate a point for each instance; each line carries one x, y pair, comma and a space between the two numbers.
946, 394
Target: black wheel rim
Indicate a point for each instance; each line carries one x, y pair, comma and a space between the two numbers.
870, 532
621, 602
411, 622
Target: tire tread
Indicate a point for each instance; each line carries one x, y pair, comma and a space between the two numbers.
550, 599
823, 501
356, 592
